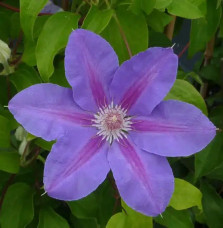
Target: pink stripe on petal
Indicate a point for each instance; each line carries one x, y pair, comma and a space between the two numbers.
134, 160
66, 115
92, 147
160, 127
80, 158
90, 64
97, 89
143, 81
48, 111
174, 128
136, 90
76, 165
144, 180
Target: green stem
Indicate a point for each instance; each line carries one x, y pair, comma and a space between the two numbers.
80, 6
65, 5
73, 6
123, 35
207, 59
39, 157
107, 3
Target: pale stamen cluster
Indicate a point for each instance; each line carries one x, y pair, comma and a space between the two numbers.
112, 122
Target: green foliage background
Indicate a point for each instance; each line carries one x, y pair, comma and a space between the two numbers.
37, 43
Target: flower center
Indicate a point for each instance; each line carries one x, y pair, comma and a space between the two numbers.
112, 122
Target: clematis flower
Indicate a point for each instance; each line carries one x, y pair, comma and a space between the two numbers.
114, 119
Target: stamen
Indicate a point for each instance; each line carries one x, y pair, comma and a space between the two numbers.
43, 193
112, 122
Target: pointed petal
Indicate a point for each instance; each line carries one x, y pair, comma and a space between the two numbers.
173, 129
76, 165
143, 81
90, 64
47, 111
145, 181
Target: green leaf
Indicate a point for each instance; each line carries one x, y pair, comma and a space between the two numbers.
210, 160
184, 91
84, 222
213, 206
15, 26
190, 9
24, 77
4, 91
9, 161
162, 4
4, 26
185, 195
216, 173
11, 123
29, 9
58, 77
4, 132
218, 3
17, 208
213, 17
49, 218
97, 20
158, 39
44, 144
134, 28
129, 219
210, 157
118, 220
212, 73
194, 76
85, 208
216, 116
52, 39
221, 28
106, 201
29, 56
117, 3
203, 29
143, 5
175, 219
98, 206
158, 20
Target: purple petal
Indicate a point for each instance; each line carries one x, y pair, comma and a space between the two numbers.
143, 81
90, 63
48, 111
145, 181
50, 7
173, 129
76, 165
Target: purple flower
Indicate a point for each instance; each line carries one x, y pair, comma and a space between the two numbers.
50, 7
113, 118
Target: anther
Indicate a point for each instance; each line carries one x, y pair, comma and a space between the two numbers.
112, 122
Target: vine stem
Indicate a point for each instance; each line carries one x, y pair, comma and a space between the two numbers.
170, 28
208, 54
19, 40
65, 5
73, 6
18, 10
123, 35
116, 195
184, 49
120, 30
